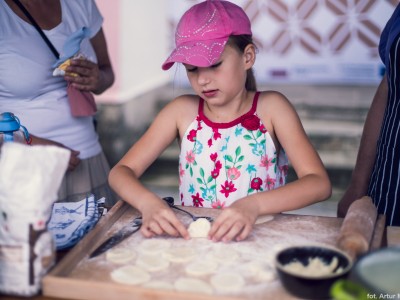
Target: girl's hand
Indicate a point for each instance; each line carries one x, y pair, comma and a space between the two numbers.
158, 219
88, 74
234, 223
74, 159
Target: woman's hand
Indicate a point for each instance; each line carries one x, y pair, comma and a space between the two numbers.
158, 219
74, 159
87, 76
235, 222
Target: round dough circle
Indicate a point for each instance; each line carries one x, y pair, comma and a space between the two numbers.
153, 246
179, 255
223, 254
193, 285
130, 275
120, 255
201, 267
199, 228
227, 282
152, 263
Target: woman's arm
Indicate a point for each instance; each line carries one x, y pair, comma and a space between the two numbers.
93, 77
366, 153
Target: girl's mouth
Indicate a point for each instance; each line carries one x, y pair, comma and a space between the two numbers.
210, 93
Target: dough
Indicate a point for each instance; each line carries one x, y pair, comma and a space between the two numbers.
223, 254
120, 255
199, 228
227, 282
159, 284
152, 263
153, 246
201, 267
264, 219
193, 285
130, 275
179, 255
316, 267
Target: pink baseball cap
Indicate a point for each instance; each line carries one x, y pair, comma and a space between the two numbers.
203, 31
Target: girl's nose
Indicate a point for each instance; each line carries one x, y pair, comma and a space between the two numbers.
203, 76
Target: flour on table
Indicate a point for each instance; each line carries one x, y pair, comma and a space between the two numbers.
199, 228
264, 219
120, 255
130, 275
201, 267
193, 285
159, 284
227, 282
153, 246
179, 255
152, 263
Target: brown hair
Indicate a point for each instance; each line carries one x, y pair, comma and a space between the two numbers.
240, 42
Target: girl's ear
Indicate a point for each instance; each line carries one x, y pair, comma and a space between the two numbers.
249, 55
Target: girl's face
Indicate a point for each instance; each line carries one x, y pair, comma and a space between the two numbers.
224, 80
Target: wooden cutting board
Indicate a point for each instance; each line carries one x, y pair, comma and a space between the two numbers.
78, 277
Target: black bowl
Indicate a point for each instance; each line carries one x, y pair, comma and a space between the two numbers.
310, 287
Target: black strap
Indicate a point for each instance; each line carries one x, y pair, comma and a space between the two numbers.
29, 16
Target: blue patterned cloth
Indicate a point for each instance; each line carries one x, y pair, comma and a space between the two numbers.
70, 221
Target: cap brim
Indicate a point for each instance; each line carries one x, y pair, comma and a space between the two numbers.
198, 53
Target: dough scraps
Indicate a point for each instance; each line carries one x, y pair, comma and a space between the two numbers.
130, 275
199, 228
316, 267
193, 285
153, 246
120, 255
152, 263
227, 282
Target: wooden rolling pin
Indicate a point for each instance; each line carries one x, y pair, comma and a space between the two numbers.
357, 227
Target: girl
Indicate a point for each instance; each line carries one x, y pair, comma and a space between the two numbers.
231, 136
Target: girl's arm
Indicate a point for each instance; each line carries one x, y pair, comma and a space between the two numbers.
367, 150
158, 218
312, 185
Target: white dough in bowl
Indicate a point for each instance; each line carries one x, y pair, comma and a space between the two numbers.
130, 275
120, 255
199, 228
193, 285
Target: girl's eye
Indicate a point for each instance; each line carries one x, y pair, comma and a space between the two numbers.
216, 65
194, 69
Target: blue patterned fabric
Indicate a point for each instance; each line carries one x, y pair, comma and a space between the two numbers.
70, 221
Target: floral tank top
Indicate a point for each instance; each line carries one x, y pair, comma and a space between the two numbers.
220, 163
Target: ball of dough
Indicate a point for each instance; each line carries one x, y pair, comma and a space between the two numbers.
199, 228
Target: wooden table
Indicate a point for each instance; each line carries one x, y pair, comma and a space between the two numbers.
59, 281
